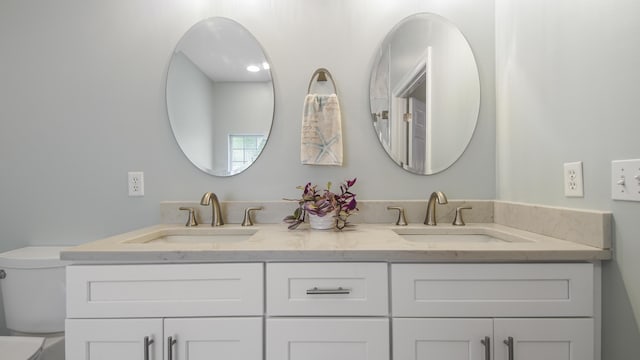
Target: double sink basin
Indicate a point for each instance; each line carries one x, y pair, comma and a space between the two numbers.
414, 234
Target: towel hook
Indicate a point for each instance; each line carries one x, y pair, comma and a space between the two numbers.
322, 74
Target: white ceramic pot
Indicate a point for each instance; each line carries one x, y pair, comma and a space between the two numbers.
322, 222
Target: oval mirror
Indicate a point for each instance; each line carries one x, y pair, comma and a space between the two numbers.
220, 96
424, 94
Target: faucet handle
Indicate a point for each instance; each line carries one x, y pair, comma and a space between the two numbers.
246, 221
402, 220
458, 221
191, 220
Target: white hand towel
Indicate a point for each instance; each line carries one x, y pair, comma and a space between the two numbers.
321, 140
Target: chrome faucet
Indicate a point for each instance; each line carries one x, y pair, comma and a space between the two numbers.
430, 219
210, 198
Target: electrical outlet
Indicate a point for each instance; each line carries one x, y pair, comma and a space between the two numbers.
625, 180
573, 181
136, 183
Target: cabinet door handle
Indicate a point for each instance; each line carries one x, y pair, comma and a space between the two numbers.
170, 342
509, 343
147, 342
328, 291
487, 347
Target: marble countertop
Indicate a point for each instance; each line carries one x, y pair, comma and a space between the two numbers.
363, 242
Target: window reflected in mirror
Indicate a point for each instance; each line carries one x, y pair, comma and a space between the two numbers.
220, 96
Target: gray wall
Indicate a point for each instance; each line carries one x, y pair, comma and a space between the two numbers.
82, 102
567, 90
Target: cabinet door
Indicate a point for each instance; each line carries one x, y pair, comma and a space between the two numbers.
328, 338
450, 339
108, 339
214, 338
548, 339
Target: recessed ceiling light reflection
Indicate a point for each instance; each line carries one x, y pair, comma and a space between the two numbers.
253, 68
265, 65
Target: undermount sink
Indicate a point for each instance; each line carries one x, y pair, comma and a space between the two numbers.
195, 236
455, 235
476, 238
218, 238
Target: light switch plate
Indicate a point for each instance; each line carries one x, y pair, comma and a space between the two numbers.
573, 181
625, 180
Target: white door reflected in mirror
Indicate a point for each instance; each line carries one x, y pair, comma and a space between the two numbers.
424, 94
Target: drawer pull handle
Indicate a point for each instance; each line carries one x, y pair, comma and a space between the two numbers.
170, 342
147, 343
487, 347
509, 343
328, 291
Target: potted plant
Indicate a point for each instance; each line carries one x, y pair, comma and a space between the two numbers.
325, 208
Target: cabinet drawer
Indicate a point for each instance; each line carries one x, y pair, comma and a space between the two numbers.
327, 338
164, 290
331, 289
492, 290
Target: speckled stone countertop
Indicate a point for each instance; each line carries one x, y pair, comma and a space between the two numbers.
362, 242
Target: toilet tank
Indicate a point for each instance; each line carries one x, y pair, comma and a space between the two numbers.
33, 289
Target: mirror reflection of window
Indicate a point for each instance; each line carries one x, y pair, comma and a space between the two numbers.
243, 150
219, 83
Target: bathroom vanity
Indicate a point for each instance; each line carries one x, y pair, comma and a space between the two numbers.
484, 291
346, 310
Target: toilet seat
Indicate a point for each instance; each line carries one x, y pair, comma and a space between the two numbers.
21, 347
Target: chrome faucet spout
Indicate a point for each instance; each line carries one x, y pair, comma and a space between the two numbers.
210, 198
441, 198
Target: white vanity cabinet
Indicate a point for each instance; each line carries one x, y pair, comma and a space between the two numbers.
333, 310
493, 311
318, 311
170, 312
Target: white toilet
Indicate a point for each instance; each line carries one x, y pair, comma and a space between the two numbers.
33, 292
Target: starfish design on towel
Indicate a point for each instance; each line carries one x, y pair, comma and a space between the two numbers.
324, 146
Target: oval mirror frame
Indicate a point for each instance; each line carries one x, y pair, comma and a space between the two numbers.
220, 96
424, 94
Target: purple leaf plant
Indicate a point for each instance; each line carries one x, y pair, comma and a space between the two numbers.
325, 203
